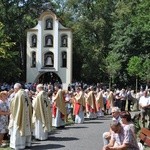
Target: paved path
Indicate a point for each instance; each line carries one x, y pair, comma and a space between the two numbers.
87, 136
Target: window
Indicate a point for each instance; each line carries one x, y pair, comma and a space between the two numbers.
34, 41
64, 41
48, 59
49, 24
64, 59
33, 62
49, 41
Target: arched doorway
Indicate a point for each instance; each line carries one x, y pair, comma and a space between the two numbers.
48, 77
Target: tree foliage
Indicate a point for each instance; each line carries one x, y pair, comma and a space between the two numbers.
107, 35
91, 24
130, 35
17, 16
134, 66
146, 70
8, 59
113, 65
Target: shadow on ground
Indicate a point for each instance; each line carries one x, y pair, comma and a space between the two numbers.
53, 138
46, 147
92, 122
77, 127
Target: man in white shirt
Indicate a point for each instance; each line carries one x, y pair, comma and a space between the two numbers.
122, 138
115, 116
123, 97
144, 104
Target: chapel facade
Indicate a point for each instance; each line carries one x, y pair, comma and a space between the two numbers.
49, 51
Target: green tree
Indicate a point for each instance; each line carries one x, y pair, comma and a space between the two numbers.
91, 25
18, 16
131, 31
99, 26
146, 70
135, 68
8, 61
113, 66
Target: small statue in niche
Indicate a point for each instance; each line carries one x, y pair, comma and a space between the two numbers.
48, 61
49, 24
64, 41
34, 41
64, 59
33, 59
64, 55
49, 41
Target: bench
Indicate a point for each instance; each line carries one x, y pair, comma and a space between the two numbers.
145, 136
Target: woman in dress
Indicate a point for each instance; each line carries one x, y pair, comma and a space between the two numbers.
127, 121
4, 112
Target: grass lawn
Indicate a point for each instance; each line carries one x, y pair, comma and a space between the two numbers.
147, 148
7, 148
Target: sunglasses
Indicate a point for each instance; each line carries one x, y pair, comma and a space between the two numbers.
113, 112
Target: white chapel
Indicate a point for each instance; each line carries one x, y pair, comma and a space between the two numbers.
49, 51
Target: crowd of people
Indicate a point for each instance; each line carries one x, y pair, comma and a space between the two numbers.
32, 110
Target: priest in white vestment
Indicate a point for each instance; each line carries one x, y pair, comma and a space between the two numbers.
20, 119
100, 104
79, 105
110, 100
41, 118
91, 104
59, 109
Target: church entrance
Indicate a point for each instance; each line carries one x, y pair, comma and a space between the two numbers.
49, 77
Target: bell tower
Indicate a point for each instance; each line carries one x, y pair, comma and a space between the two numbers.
49, 50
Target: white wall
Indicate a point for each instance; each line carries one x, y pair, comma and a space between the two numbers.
64, 73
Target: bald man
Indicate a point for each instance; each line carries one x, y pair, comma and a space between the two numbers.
20, 119
41, 119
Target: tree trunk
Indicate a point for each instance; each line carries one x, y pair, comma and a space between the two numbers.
110, 82
136, 86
